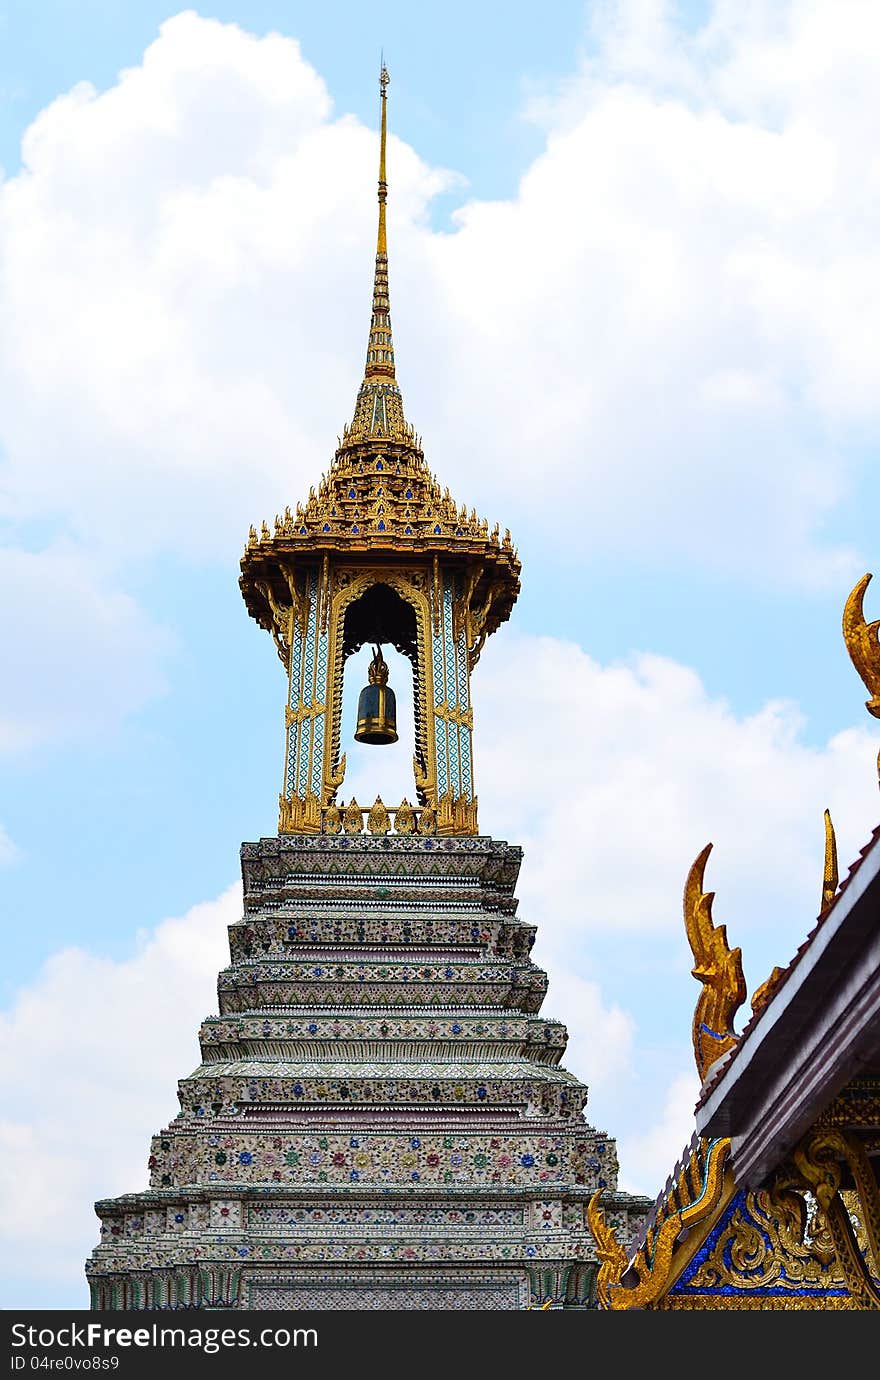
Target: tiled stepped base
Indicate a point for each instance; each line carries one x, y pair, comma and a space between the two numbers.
379, 1119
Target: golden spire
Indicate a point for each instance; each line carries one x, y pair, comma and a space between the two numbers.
378, 412
380, 350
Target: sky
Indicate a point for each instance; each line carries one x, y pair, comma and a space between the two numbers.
635, 281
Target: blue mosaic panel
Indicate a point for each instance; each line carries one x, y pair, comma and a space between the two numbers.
308, 688
464, 733
320, 721
439, 681
308, 671
293, 694
451, 685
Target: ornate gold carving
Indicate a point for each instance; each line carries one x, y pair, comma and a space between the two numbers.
381, 819
380, 519
425, 784
820, 1158
770, 1243
299, 816
303, 711
612, 1256
478, 623
463, 718
378, 820
716, 966
830, 875
456, 815
377, 671
461, 607
332, 820
281, 629
333, 779
436, 595
353, 818
324, 593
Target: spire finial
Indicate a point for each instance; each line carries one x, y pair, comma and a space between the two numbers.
380, 352
378, 411
381, 242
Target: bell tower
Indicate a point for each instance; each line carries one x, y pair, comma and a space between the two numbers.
379, 554
380, 1118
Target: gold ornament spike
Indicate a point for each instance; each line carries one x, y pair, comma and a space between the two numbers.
766, 990
352, 818
427, 821
378, 820
404, 818
863, 644
333, 780
830, 874
332, 820
716, 966
612, 1256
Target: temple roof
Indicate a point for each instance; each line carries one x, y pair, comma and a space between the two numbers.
379, 498
819, 1029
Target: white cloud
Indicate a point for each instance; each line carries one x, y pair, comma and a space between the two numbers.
643, 1151
658, 344
81, 654
629, 769
90, 1055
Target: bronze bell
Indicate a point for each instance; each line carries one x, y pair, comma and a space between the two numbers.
377, 707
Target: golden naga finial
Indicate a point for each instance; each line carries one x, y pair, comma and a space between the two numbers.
830, 875
612, 1256
863, 644
716, 966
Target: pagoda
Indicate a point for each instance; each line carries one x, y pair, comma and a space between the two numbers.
380, 1119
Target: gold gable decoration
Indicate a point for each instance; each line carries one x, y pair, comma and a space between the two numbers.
701, 1187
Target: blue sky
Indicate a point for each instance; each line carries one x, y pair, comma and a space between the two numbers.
633, 283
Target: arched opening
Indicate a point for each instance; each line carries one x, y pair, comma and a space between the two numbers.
381, 617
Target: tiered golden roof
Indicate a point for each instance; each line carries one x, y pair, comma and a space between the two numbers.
379, 499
